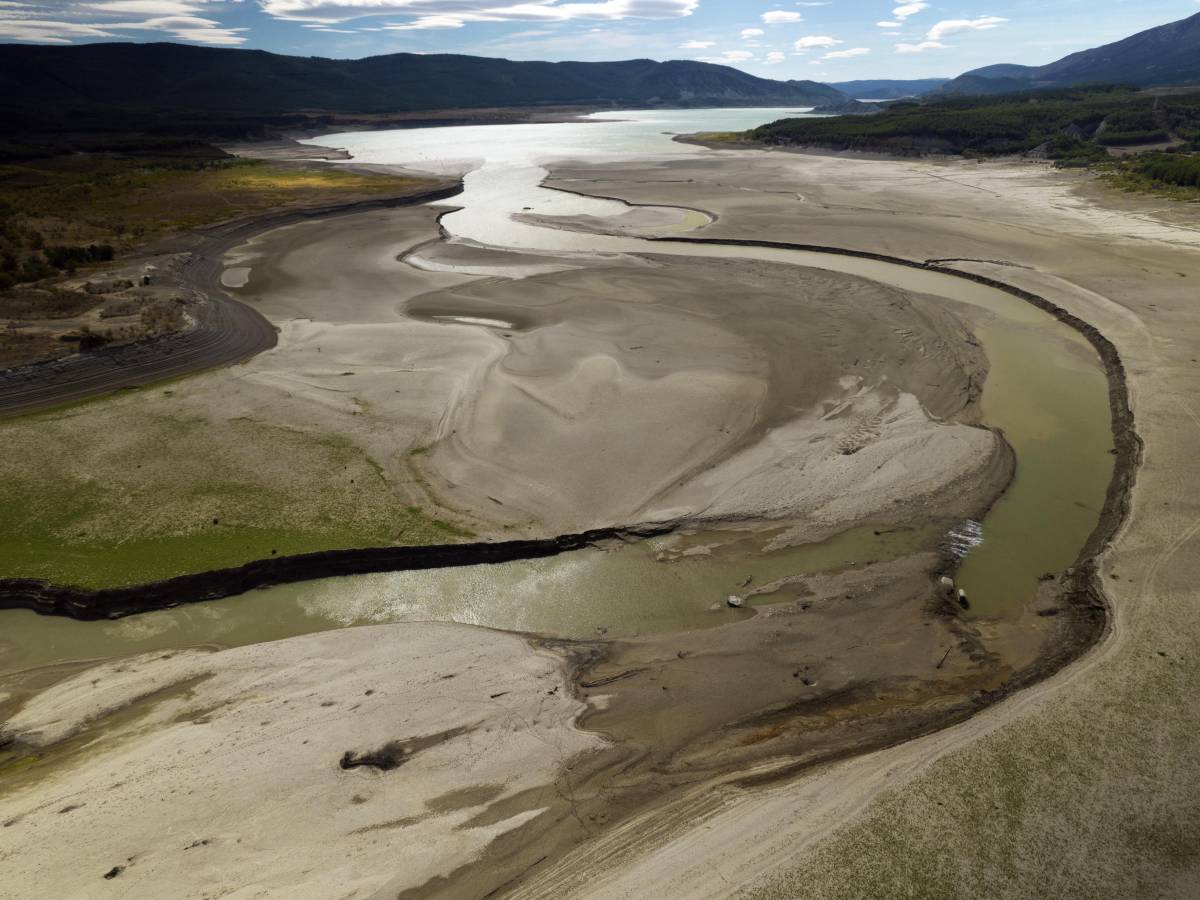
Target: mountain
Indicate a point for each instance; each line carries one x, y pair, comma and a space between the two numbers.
981, 85
888, 89
1168, 54
41, 80
1001, 71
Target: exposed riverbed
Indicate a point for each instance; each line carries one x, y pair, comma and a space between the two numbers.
854, 655
1045, 391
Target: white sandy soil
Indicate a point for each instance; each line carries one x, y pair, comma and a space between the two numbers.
217, 774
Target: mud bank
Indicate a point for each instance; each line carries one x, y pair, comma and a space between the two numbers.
1014, 779
53, 599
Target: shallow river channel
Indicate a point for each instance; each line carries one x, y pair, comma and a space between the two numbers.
1045, 389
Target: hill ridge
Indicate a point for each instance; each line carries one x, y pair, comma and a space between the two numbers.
32, 78
1164, 55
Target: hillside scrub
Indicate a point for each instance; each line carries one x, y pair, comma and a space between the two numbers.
1073, 127
999, 125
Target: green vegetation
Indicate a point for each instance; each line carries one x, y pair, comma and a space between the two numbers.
1075, 127
89, 497
1010, 123
66, 212
107, 563
1173, 169
718, 137
1175, 175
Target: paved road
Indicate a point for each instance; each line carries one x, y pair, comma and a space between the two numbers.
226, 331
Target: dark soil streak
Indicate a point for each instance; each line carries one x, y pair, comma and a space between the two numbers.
114, 603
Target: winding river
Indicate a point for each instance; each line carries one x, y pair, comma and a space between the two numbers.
1046, 390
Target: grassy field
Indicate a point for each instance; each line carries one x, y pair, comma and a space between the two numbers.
131, 491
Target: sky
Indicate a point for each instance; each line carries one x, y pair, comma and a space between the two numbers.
823, 40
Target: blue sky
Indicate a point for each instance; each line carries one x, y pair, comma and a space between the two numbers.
825, 40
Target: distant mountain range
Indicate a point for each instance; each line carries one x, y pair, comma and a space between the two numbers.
178, 92
888, 89
1166, 55
39, 80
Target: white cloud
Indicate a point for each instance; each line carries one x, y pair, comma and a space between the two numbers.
890, 24
611, 43
178, 18
752, 32
812, 41
774, 57
195, 29
456, 13
847, 54
43, 31
781, 17
903, 11
953, 26
697, 45
921, 47
422, 23
729, 56
146, 7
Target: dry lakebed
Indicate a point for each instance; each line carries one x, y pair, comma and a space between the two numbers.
783, 421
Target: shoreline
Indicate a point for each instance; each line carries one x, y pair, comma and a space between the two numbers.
85, 604
696, 140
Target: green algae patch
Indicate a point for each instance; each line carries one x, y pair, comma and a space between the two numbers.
97, 564
99, 497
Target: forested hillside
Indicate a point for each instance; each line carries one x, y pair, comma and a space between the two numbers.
1060, 123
